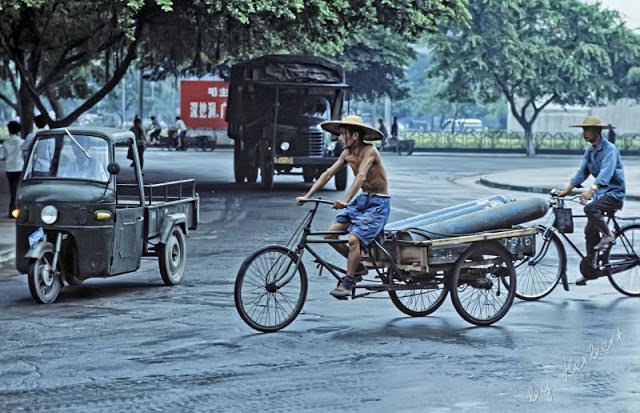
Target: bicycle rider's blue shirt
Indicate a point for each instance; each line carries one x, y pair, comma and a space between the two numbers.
605, 164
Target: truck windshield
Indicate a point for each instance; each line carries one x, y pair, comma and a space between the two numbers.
60, 157
308, 109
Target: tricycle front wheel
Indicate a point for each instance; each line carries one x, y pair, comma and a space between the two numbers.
270, 289
44, 281
172, 257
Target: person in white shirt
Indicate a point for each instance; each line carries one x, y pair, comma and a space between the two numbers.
13, 161
182, 132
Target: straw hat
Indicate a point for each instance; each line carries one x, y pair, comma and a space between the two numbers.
370, 134
591, 122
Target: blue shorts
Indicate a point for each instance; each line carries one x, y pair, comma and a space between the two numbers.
368, 215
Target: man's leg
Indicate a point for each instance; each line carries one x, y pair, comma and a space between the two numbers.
13, 188
353, 259
595, 212
341, 248
591, 237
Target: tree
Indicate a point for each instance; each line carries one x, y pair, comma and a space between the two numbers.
534, 52
53, 49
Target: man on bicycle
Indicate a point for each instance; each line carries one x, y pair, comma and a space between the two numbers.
602, 160
364, 217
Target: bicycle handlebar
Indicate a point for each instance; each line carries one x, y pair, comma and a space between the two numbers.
320, 201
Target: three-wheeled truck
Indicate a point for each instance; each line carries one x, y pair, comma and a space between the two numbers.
275, 106
75, 221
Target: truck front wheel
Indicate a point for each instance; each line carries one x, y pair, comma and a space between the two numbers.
252, 174
238, 163
308, 174
172, 257
266, 175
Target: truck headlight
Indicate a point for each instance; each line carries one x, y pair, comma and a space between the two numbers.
331, 146
284, 146
49, 214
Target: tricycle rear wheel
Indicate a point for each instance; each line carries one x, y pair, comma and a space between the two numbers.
270, 288
172, 257
44, 284
421, 301
477, 282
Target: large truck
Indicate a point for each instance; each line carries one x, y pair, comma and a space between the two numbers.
276, 104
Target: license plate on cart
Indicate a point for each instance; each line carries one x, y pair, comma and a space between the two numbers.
35, 237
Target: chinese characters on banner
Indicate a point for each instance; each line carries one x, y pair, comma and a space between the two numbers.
203, 103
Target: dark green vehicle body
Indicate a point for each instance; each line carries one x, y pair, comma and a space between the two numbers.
133, 219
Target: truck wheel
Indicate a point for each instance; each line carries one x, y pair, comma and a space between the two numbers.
44, 283
341, 179
238, 164
266, 175
252, 174
308, 174
172, 257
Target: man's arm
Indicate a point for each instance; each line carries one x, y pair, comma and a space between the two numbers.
325, 177
363, 170
607, 169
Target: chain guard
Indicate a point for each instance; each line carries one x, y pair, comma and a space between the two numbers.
588, 271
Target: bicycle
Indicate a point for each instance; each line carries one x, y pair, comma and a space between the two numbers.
539, 275
477, 269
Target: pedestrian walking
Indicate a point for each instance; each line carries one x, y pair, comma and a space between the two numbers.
611, 136
394, 134
141, 141
182, 134
14, 161
384, 132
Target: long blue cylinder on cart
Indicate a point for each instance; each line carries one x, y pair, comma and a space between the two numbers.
500, 217
447, 213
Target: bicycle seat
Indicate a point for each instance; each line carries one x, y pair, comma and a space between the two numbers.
380, 238
611, 213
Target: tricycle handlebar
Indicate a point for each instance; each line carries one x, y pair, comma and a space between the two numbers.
319, 201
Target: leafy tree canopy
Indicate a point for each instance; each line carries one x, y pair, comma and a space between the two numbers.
52, 49
534, 52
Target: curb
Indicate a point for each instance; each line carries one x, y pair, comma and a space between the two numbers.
534, 189
6, 254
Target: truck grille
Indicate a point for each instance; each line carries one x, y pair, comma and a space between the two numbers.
310, 144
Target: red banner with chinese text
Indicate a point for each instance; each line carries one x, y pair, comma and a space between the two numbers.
203, 103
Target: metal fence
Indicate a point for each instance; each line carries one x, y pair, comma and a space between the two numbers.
511, 141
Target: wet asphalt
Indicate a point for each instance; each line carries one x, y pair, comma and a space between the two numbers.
130, 343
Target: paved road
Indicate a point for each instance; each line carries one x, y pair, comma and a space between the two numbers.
130, 343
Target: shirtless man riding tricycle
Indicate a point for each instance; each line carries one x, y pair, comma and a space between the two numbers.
364, 217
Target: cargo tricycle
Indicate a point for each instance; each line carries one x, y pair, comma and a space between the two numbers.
416, 273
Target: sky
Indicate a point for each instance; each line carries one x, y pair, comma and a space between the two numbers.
629, 9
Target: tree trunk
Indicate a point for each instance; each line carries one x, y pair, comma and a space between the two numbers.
55, 105
528, 141
26, 105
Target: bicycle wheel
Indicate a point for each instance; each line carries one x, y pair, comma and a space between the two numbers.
476, 293
622, 262
419, 302
270, 288
539, 275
